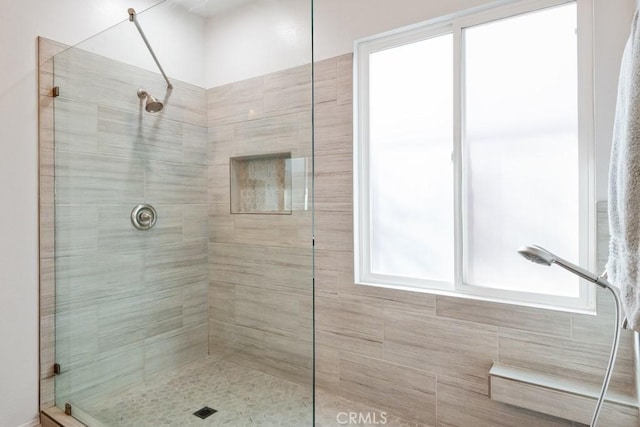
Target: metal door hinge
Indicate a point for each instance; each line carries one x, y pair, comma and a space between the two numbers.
57, 369
55, 92
67, 409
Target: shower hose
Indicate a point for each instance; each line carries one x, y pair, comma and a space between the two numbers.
612, 357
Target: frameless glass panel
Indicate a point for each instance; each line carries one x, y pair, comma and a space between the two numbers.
410, 148
521, 149
211, 306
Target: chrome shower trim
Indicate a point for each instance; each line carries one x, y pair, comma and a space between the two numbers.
542, 256
132, 18
152, 105
144, 216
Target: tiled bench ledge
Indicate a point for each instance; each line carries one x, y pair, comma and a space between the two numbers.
561, 397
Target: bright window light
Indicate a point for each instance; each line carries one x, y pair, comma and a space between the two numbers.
521, 164
410, 169
472, 140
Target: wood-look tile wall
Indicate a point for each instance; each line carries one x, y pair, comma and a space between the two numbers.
260, 264
421, 356
129, 304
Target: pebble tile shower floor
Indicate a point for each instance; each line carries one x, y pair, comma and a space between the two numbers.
241, 396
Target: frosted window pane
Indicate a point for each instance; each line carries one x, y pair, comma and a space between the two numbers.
521, 150
411, 174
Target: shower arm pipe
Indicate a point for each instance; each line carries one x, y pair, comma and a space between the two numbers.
134, 19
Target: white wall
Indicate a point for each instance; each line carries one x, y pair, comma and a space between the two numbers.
249, 42
67, 21
257, 38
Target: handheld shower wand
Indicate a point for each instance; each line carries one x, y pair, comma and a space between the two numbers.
542, 256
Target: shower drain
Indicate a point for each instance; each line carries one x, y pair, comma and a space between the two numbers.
204, 412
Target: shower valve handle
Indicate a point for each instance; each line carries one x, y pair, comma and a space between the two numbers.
143, 217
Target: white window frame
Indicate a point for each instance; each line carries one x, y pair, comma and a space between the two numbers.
455, 24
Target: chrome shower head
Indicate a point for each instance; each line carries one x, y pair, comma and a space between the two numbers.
542, 256
152, 104
537, 254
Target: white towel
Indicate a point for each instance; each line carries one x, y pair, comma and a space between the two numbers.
623, 267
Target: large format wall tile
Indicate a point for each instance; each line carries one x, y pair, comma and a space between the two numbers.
175, 265
410, 393
334, 173
175, 183
266, 136
350, 325
76, 126
77, 333
237, 102
92, 78
455, 340
334, 227
325, 80
219, 184
107, 372
270, 311
236, 264
460, 407
345, 79
76, 229
195, 305
176, 347
333, 128
123, 296
195, 226
406, 352
220, 144
89, 279
260, 265
507, 315
194, 144
459, 349
359, 320
93, 179
288, 90
130, 134
116, 233
243, 345
287, 357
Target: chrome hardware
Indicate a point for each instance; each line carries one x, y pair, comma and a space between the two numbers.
133, 18
143, 216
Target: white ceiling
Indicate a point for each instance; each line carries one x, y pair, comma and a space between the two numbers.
208, 8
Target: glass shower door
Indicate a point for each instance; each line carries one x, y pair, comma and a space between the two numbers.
212, 306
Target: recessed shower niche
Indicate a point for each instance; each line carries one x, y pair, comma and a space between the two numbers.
261, 184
